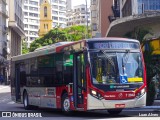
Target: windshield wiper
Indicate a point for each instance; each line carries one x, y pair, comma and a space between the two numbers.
109, 59
125, 60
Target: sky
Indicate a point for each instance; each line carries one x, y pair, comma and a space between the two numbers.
78, 2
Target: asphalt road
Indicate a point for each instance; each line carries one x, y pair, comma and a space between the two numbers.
14, 109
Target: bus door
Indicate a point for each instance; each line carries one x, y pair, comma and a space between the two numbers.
79, 82
17, 82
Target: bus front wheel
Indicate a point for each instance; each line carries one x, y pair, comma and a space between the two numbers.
114, 111
65, 103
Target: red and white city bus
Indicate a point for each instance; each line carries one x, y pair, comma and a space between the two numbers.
94, 74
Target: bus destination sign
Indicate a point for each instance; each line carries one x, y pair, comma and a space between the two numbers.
113, 45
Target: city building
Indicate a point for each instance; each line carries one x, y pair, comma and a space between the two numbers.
32, 16
59, 13
31, 11
103, 12
45, 18
78, 16
69, 4
15, 30
134, 7
3, 36
16, 27
148, 5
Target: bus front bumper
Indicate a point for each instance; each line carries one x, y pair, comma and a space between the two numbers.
94, 103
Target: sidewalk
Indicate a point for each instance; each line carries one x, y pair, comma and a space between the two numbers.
4, 88
156, 103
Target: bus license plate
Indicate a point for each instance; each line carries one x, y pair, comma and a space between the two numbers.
119, 105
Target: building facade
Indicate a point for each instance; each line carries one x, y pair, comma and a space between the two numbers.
3, 27
69, 4
15, 30
103, 12
32, 16
16, 26
59, 13
134, 7
31, 11
148, 5
78, 16
3, 37
45, 18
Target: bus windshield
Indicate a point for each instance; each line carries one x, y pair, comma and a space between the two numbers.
116, 67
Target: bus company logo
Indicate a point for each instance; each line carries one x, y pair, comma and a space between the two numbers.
120, 95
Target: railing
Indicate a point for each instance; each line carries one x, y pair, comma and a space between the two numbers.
116, 11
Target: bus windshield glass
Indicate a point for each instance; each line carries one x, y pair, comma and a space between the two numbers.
116, 67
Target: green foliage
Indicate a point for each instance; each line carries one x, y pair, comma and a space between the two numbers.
78, 32
139, 34
25, 49
73, 33
53, 36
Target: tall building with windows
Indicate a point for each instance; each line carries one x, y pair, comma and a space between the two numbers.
148, 5
31, 19
15, 29
103, 12
134, 7
59, 13
69, 4
3, 37
45, 18
3, 27
32, 16
78, 16
16, 26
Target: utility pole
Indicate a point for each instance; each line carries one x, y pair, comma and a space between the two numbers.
87, 19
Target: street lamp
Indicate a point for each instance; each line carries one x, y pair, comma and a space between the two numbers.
87, 19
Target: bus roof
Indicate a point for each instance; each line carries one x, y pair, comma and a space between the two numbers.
49, 49
40, 51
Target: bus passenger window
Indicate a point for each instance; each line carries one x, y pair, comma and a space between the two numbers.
46, 70
68, 68
59, 69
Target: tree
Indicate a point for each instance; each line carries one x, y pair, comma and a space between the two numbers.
73, 33
25, 49
53, 36
138, 34
78, 32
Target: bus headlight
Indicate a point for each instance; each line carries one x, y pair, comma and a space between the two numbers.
96, 94
141, 93
93, 92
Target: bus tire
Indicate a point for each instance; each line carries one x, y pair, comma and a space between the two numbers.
26, 102
65, 103
114, 111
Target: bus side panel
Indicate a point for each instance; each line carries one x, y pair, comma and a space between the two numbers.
59, 92
48, 97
